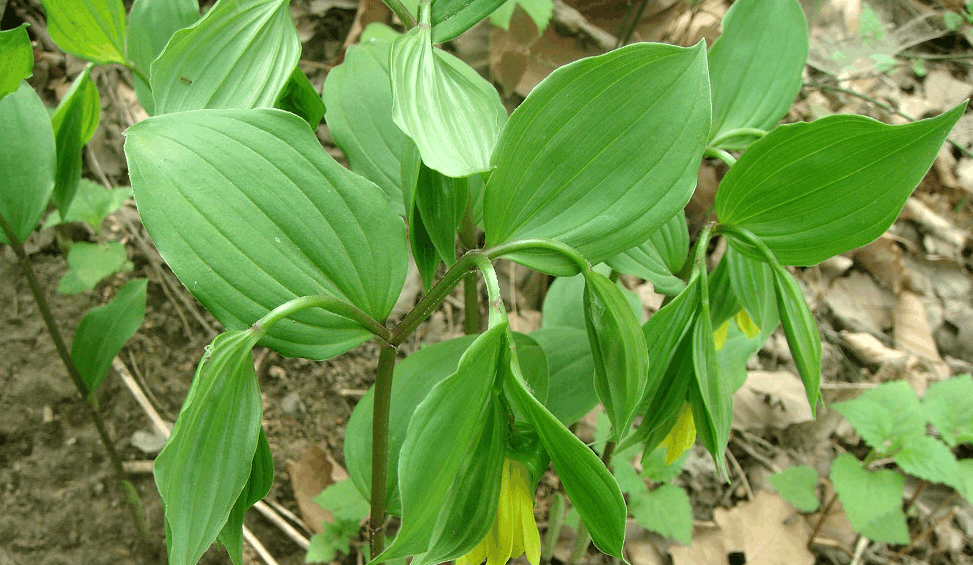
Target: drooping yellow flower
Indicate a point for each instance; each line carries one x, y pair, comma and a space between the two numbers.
682, 436
514, 530
746, 324
720, 335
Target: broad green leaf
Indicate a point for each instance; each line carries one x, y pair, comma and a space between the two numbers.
801, 332
665, 510
592, 489
74, 123
343, 500
450, 18
571, 393
28, 166
564, 301
714, 414
723, 301
927, 458
752, 284
16, 59
666, 404
885, 415
965, 478
439, 436
358, 96
539, 10
654, 465
151, 24
872, 499
621, 359
335, 537
797, 485
91, 205
90, 263
441, 201
602, 153
659, 259
813, 190
213, 441
258, 485
250, 212
471, 506
949, 406
423, 249
451, 113
755, 67
664, 331
239, 55
93, 30
104, 330
299, 97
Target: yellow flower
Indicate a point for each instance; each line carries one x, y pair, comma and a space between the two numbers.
746, 324
682, 436
514, 531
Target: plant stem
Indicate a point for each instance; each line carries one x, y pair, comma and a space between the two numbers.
824, 516
720, 154
471, 294
329, 303
380, 448
399, 9
431, 301
738, 132
131, 495
139, 73
584, 536
629, 25
557, 247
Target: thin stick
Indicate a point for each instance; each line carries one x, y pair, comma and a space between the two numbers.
860, 550
824, 516
925, 533
284, 526
743, 476
258, 547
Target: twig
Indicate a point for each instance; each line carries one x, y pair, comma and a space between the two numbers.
284, 526
752, 453
294, 519
925, 533
575, 21
743, 476
258, 547
824, 516
860, 550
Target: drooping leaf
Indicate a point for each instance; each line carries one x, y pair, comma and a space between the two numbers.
666, 403
28, 166
571, 394
813, 190
439, 436
540, 11
885, 415
441, 201
358, 96
623, 134
450, 18
872, 499
93, 30
798, 485
91, 205
723, 301
258, 485
713, 415
250, 212
299, 97
659, 259
592, 489
564, 301
801, 332
423, 249
104, 330
16, 59
752, 282
664, 331
90, 263
621, 359
755, 66
151, 24
74, 123
949, 406
451, 113
239, 55
214, 441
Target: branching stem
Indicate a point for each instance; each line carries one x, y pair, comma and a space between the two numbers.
329, 303
399, 9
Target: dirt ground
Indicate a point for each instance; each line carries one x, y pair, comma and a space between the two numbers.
60, 503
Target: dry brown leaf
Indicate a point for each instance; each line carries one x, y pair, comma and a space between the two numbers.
707, 547
767, 531
882, 259
860, 304
315, 471
544, 55
913, 334
524, 321
943, 91
770, 398
935, 225
869, 349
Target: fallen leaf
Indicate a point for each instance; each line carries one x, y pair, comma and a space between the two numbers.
869, 349
315, 471
913, 334
766, 530
860, 304
770, 398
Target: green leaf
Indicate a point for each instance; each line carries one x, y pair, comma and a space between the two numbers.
752, 284
28, 166
813, 190
450, 18
540, 11
335, 537
564, 301
74, 123
441, 201
667, 402
343, 500
755, 69
451, 113
16, 59
723, 301
659, 259
872, 499
250, 212
885, 415
592, 489
104, 330
258, 485
927, 458
570, 364
93, 30
965, 478
801, 332
949, 406
602, 153
621, 359
423, 250
214, 441
654, 465
91, 205
358, 96
239, 55
91, 262
798, 485
665, 510
713, 413
299, 97
663, 333
440, 433
151, 24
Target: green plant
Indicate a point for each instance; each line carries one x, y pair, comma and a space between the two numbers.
290, 250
